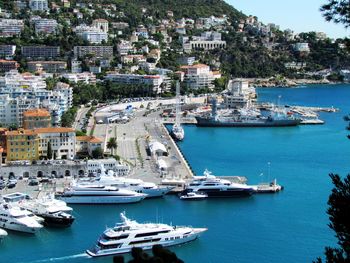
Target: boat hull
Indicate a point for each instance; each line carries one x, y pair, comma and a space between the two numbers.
209, 122
229, 193
53, 221
127, 249
20, 228
101, 199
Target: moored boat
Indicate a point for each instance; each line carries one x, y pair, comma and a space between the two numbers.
129, 234
193, 196
99, 194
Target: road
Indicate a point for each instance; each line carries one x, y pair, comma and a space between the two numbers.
81, 114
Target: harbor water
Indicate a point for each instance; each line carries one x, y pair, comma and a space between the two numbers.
290, 226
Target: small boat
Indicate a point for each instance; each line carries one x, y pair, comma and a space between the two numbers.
193, 196
129, 234
272, 187
3, 234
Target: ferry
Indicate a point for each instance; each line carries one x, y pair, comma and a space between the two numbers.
129, 234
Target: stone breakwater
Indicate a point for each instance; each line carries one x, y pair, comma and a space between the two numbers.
286, 82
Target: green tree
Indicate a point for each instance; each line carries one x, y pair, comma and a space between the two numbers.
112, 145
97, 153
337, 11
49, 151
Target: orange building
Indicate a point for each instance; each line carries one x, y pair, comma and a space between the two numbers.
36, 118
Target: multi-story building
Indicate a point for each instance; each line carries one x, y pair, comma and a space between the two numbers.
101, 24
207, 41
21, 4
198, 76
97, 52
62, 142
85, 145
67, 91
47, 66
36, 118
152, 82
22, 145
86, 77
124, 47
45, 26
7, 65
301, 47
11, 27
20, 92
97, 165
38, 5
95, 37
7, 51
39, 52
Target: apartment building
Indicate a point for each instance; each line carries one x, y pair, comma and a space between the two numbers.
22, 145
40, 52
7, 65
45, 26
36, 118
11, 27
47, 66
98, 52
38, 5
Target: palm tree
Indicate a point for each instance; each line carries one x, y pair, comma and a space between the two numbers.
112, 144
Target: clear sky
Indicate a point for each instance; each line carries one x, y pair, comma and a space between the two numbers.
298, 15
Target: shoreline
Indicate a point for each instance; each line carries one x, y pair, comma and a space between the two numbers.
288, 83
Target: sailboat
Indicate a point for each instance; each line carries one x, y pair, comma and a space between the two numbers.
177, 131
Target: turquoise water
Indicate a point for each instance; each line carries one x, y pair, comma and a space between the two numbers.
287, 227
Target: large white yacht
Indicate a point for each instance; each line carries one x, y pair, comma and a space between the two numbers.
137, 185
128, 234
55, 212
217, 187
18, 219
99, 194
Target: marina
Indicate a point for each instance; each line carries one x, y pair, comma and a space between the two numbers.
257, 212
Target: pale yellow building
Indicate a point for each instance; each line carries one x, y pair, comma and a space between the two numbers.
22, 145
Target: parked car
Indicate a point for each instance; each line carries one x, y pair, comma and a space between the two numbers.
33, 182
11, 184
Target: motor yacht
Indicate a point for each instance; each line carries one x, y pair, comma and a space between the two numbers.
151, 189
99, 194
128, 234
217, 187
54, 212
18, 219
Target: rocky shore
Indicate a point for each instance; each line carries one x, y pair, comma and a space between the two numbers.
273, 82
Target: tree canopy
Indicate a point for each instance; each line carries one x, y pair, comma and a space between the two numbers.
337, 11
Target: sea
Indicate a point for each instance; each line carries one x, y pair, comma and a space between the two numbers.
290, 226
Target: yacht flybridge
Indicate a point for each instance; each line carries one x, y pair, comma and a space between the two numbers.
128, 234
177, 131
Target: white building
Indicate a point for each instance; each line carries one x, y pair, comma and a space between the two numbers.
301, 47
7, 51
198, 76
46, 26
101, 24
62, 142
95, 37
96, 166
38, 5
11, 27
25, 91
124, 48
148, 81
86, 77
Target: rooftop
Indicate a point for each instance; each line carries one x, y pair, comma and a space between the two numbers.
20, 132
54, 130
36, 113
92, 139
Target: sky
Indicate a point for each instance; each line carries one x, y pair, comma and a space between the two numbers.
298, 15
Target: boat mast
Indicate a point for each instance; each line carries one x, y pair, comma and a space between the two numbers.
178, 110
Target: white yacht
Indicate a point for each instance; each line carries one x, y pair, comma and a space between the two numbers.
177, 131
193, 196
128, 234
99, 194
18, 219
54, 212
137, 185
217, 187
3, 234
